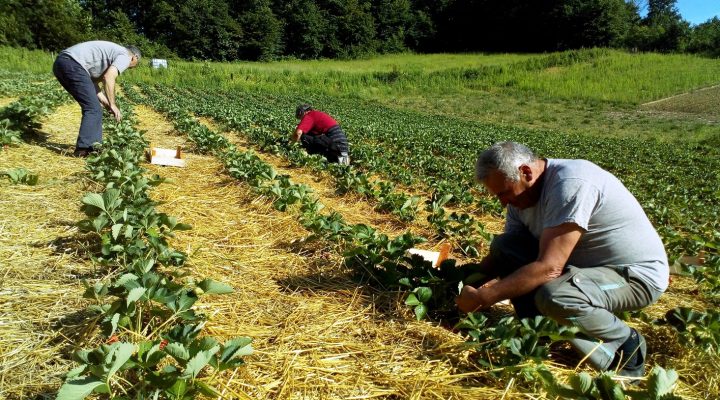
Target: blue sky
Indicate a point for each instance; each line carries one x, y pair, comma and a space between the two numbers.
698, 11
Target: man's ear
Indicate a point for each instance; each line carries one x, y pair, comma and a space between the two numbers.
526, 172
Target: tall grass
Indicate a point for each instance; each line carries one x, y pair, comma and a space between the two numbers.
592, 74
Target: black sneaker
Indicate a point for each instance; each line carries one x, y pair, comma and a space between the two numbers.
630, 357
83, 152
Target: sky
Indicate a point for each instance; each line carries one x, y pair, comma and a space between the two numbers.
698, 11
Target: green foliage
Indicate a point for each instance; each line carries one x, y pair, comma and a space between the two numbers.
20, 176
48, 24
660, 386
697, 329
149, 293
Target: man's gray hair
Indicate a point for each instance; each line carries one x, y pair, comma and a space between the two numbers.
136, 52
505, 157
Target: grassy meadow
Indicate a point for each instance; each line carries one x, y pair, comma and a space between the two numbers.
594, 91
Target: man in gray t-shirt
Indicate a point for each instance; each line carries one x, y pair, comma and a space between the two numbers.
80, 69
577, 248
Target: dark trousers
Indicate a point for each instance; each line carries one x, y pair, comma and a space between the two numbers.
584, 297
330, 145
73, 77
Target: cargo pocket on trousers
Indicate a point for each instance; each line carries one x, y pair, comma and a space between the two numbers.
588, 287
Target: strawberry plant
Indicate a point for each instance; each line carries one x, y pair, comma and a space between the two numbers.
20, 176
660, 385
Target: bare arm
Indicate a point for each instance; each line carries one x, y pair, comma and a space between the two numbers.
296, 136
556, 244
101, 96
109, 85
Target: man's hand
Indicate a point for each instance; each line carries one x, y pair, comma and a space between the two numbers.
116, 112
472, 299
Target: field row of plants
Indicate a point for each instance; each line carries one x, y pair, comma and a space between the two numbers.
506, 347
674, 184
152, 343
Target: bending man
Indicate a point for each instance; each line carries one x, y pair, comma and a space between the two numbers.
319, 133
577, 248
80, 69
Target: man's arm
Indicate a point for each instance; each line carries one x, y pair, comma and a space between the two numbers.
556, 244
109, 85
296, 136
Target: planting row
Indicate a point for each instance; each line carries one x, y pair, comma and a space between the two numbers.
506, 348
673, 183
152, 344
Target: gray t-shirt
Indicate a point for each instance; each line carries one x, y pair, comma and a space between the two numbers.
97, 56
616, 230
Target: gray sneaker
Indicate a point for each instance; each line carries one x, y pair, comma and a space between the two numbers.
344, 159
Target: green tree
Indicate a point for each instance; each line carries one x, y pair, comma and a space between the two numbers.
42, 24
262, 39
392, 20
666, 30
355, 29
307, 33
593, 23
705, 38
205, 30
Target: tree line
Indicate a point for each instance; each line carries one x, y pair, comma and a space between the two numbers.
228, 30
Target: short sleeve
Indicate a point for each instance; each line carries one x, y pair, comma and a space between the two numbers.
573, 200
306, 123
121, 62
513, 223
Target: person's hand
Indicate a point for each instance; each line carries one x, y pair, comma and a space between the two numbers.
116, 112
472, 299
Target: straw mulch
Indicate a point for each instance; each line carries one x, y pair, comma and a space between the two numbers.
6, 100
42, 257
318, 333
352, 207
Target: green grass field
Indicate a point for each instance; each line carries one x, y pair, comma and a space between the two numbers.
596, 92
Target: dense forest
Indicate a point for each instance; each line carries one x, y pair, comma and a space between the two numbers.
308, 29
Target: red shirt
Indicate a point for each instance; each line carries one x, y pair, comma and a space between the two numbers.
316, 123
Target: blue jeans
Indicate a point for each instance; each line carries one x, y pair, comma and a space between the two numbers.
73, 77
584, 297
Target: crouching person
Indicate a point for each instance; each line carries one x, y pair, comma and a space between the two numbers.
319, 133
577, 248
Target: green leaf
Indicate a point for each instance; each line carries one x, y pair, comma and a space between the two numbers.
122, 353
210, 286
125, 279
78, 389
420, 311
95, 200
236, 347
423, 293
177, 351
135, 294
661, 382
178, 389
581, 382
116, 230
207, 390
412, 300
198, 362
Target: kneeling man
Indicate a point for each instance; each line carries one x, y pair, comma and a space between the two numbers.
577, 248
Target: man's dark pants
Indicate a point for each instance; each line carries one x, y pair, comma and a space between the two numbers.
73, 77
584, 297
330, 145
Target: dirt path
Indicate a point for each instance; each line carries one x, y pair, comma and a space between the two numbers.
42, 258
